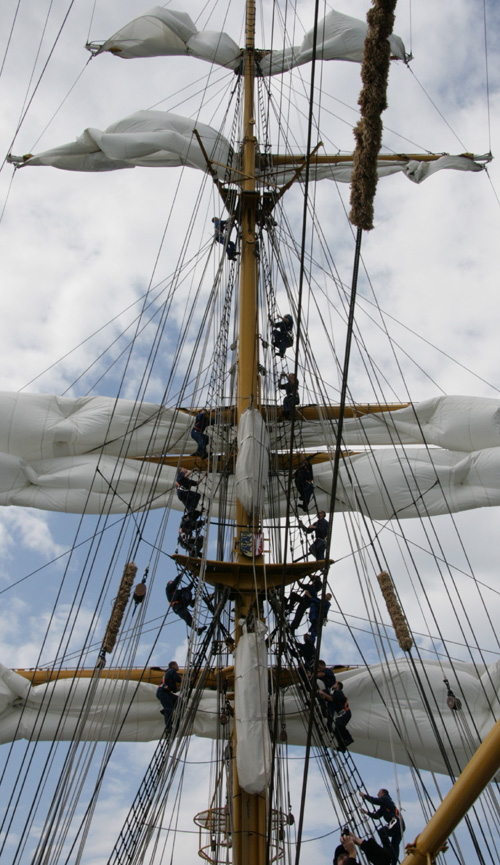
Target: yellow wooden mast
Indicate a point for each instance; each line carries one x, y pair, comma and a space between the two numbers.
249, 810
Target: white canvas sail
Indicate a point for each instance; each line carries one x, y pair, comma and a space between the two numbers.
253, 757
252, 462
160, 139
167, 32
389, 720
83, 455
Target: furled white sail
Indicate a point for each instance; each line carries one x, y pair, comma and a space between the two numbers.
160, 139
146, 138
458, 423
253, 756
389, 720
383, 485
415, 170
43, 426
339, 37
81, 455
252, 462
161, 32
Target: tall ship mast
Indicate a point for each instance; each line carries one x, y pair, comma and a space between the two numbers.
224, 446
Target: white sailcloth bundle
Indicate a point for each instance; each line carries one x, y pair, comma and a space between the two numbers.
252, 463
399, 731
152, 139
84, 455
253, 756
166, 32
160, 139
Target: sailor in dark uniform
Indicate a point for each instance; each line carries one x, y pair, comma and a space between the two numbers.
303, 478
180, 599
320, 529
289, 383
282, 335
185, 493
202, 421
387, 810
166, 693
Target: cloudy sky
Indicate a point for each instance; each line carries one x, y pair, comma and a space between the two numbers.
78, 252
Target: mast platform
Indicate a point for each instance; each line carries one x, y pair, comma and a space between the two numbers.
254, 576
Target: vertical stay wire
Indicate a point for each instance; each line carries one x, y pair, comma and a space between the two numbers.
487, 71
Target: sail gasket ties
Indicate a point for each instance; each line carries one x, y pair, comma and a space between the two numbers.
119, 605
372, 100
394, 609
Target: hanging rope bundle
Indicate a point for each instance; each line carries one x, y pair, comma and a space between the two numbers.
121, 601
394, 609
373, 100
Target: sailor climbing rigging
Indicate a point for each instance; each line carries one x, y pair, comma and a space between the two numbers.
185, 493
387, 810
314, 615
180, 599
282, 334
320, 528
202, 421
166, 693
222, 235
289, 383
303, 477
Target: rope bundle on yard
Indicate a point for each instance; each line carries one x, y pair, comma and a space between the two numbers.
372, 100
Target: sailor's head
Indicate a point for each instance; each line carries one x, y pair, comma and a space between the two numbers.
288, 318
321, 515
321, 666
338, 686
382, 792
328, 597
173, 665
340, 856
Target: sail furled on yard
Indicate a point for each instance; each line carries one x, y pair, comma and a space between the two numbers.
401, 731
252, 462
147, 138
456, 423
161, 139
84, 455
167, 32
